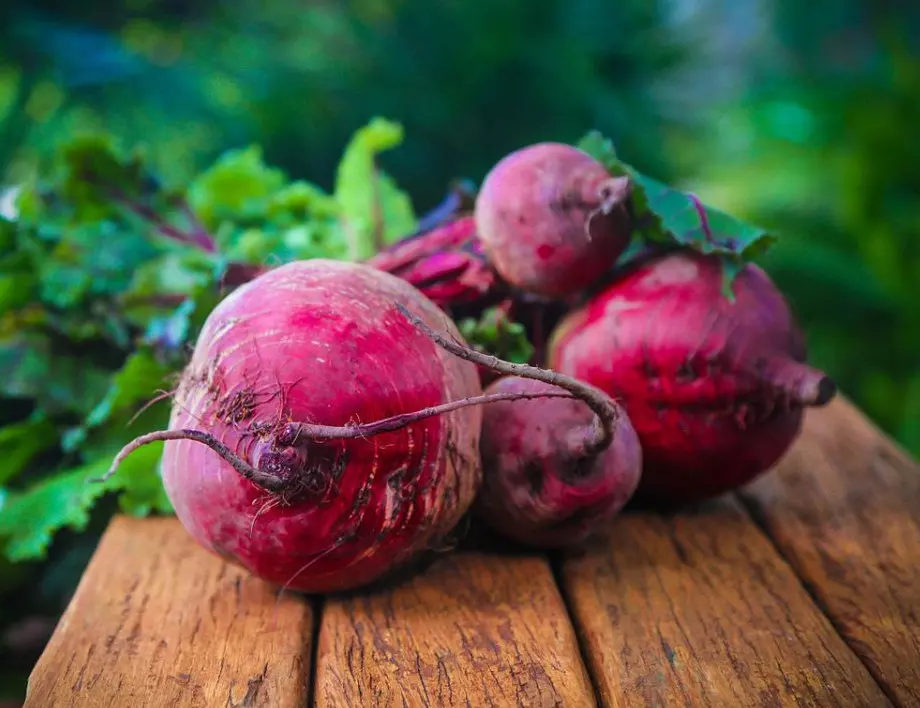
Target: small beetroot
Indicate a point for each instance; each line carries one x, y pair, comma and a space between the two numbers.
544, 482
555, 471
715, 388
552, 219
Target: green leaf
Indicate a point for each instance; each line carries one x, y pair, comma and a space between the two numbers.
7, 237
166, 292
310, 224
375, 210
174, 273
138, 381
95, 260
169, 333
29, 520
238, 186
140, 377
92, 166
143, 491
600, 148
259, 217
299, 200
59, 383
18, 282
21, 442
16, 290
667, 215
496, 334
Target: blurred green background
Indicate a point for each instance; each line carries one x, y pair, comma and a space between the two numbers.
800, 117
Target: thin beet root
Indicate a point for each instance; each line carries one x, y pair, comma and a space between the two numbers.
293, 433
554, 471
606, 410
266, 480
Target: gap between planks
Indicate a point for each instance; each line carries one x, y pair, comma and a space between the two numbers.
157, 621
696, 608
843, 508
474, 629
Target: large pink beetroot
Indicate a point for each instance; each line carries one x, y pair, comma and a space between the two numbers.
715, 388
275, 458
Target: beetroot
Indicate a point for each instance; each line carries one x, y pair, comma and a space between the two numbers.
303, 490
552, 219
715, 388
543, 482
447, 264
555, 469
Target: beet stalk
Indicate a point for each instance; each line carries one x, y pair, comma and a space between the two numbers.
447, 264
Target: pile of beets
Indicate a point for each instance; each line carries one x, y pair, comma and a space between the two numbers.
333, 425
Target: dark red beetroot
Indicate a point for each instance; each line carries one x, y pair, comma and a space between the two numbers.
714, 388
552, 219
555, 469
543, 484
447, 264
309, 507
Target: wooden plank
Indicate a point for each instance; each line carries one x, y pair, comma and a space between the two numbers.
697, 609
844, 508
472, 630
158, 621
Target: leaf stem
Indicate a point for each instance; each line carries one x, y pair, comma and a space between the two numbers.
704, 218
197, 237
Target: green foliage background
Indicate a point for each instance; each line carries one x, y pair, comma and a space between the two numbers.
797, 117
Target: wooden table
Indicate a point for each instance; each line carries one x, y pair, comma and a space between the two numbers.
804, 589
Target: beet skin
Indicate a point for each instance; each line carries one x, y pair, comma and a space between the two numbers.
539, 485
320, 342
714, 388
552, 219
554, 471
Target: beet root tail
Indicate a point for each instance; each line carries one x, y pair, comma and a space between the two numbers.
804, 384
614, 192
606, 411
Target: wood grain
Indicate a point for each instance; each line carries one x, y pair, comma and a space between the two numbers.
473, 630
157, 621
844, 508
697, 609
